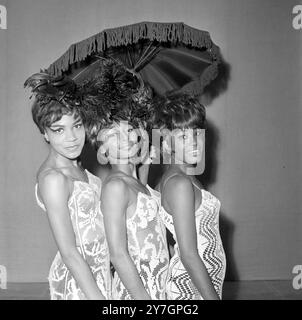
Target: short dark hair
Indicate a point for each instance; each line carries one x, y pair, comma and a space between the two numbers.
54, 97
178, 111
44, 115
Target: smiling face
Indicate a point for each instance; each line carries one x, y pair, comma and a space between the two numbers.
187, 145
66, 136
120, 143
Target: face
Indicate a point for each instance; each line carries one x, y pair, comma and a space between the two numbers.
67, 136
120, 143
187, 145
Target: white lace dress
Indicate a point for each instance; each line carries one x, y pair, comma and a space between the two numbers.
210, 249
147, 247
88, 227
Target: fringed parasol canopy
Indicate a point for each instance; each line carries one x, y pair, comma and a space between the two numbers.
167, 56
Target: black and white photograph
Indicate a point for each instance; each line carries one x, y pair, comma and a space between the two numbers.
150, 150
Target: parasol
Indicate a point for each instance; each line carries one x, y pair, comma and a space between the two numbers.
167, 56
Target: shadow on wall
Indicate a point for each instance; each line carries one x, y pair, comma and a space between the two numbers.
227, 227
207, 179
218, 85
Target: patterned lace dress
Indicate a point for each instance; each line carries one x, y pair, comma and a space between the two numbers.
88, 226
147, 247
210, 249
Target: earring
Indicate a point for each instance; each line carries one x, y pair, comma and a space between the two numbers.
101, 155
46, 139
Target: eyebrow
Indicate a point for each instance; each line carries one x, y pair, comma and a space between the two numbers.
57, 126
62, 126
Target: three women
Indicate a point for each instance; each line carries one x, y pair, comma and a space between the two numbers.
132, 216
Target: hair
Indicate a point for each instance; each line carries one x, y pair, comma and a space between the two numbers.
54, 98
178, 111
114, 95
126, 110
44, 116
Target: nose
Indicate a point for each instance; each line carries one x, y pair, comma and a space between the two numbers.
197, 136
128, 138
70, 135
133, 137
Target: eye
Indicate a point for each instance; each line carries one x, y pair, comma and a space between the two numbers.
78, 125
110, 135
130, 129
58, 131
184, 136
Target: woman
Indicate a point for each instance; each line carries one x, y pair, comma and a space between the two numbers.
190, 213
136, 235
69, 194
135, 232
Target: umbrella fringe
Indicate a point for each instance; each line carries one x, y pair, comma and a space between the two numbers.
196, 87
131, 34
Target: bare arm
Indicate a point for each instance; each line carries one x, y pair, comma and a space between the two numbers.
180, 198
54, 190
114, 203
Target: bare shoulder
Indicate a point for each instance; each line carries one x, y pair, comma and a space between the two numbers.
177, 183
114, 186
53, 181
178, 191
114, 197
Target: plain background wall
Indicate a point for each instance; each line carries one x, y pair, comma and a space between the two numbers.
257, 119
3, 96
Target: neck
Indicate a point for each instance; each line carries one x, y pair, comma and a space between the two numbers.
179, 168
183, 168
62, 162
129, 169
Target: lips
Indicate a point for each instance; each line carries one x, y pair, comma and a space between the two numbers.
129, 147
72, 148
195, 152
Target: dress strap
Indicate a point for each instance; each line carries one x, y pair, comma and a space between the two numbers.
195, 185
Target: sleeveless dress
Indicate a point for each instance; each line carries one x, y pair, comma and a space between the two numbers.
147, 246
210, 249
88, 227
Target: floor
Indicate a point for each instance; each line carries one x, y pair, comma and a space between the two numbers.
237, 290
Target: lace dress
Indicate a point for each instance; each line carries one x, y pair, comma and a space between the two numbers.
210, 249
147, 247
87, 222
